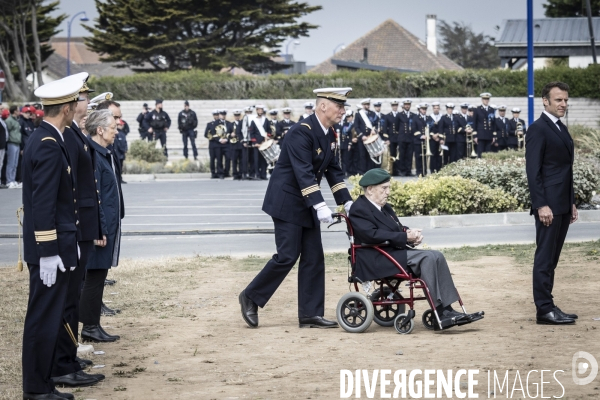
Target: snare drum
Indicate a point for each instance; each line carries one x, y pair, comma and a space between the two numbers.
375, 145
270, 150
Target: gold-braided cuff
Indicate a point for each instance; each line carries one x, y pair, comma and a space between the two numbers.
310, 189
338, 186
45, 236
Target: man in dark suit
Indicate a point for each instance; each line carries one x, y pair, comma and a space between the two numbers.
49, 235
374, 222
295, 203
484, 123
67, 369
214, 145
549, 166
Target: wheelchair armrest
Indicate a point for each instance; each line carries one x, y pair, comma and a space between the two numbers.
386, 243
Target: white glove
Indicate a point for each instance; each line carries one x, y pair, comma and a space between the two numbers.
324, 213
347, 206
48, 267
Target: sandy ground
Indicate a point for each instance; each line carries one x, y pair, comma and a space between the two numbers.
182, 336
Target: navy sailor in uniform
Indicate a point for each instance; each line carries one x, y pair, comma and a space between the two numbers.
49, 234
295, 202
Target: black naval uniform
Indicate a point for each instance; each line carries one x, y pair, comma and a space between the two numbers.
513, 140
407, 125
236, 149
418, 145
281, 129
260, 164
345, 147
435, 161
502, 133
81, 155
158, 121
364, 160
307, 156
213, 141
453, 128
225, 149
484, 123
49, 229
187, 122
392, 125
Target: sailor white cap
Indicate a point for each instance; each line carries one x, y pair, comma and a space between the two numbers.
223, 111
502, 108
464, 105
286, 110
377, 104
435, 103
449, 105
338, 95
274, 111
423, 105
261, 106
309, 104
395, 102
485, 95
215, 112
366, 101
516, 110
62, 91
102, 97
358, 107
237, 112
493, 106
349, 113
248, 109
407, 101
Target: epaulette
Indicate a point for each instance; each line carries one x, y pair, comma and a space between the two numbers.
48, 138
307, 125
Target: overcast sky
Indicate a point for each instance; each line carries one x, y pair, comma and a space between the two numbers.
343, 21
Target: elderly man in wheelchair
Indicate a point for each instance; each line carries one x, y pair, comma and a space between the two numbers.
383, 251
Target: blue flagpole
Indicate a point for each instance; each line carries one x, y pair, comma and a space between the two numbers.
530, 59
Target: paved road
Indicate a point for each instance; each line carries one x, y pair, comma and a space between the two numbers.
225, 204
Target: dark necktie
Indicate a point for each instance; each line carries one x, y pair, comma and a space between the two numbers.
562, 127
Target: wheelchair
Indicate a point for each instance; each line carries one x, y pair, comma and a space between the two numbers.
385, 304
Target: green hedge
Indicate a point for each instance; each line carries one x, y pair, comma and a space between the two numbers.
208, 85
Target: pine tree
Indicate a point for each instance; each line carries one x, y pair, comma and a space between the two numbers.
205, 34
466, 48
571, 8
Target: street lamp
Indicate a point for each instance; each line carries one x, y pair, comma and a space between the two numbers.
341, 45
287, 46
82, 19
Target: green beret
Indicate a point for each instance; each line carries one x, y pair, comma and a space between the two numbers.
375, 176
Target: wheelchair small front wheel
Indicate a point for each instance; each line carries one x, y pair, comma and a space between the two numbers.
354, 312
402, 325
385, 315
428, 319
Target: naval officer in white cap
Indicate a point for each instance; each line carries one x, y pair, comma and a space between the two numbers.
49, 234
295, 202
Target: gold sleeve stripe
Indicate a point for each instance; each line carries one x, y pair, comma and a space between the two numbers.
307, 125
418, 133
45, 239
45, 232
48, 138
338, 186
310, 189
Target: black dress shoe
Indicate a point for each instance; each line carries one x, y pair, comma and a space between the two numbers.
83, 363
249, 310
93, 333
75, 379
98, 377
553, 318
64, 395
46, 396
316, 322
108, 312
564, 314
116, 337
109, 282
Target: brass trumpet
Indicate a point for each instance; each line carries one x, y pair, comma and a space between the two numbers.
470, 142
520, 137
425, 150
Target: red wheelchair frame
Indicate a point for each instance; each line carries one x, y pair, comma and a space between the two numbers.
402, 322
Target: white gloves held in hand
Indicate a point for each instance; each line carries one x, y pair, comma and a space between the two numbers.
48, 267
323, 213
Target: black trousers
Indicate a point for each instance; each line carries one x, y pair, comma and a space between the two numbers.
91, 296
549, 241
419, 159
260, 164
237, 158
345, 161
353, 159
406, 157
43, 322
483, 146
212, 154
245, 161
363, 157
435, 161
66, 351
394, 153
294, 241
189, 134
162, 137
226, 159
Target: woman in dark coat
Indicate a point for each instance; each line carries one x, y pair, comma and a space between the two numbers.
102, 127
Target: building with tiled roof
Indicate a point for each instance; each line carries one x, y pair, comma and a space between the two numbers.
389, 47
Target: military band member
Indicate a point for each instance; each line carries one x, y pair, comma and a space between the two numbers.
272, 132
381, 121
295, 202
259, 129
236, 148
159, 123
49, 234
213, 144
308, 110
225, 156
451, 126
513, 134
247, 156
484, 123
407, 126
284, 125
347, 142
365, 122
437, 139
419, 140
187, 122
67, 369
392, 132
501, 129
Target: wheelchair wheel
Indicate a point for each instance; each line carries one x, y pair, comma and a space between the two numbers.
385, 315
354, 312
408, 328
428, 319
